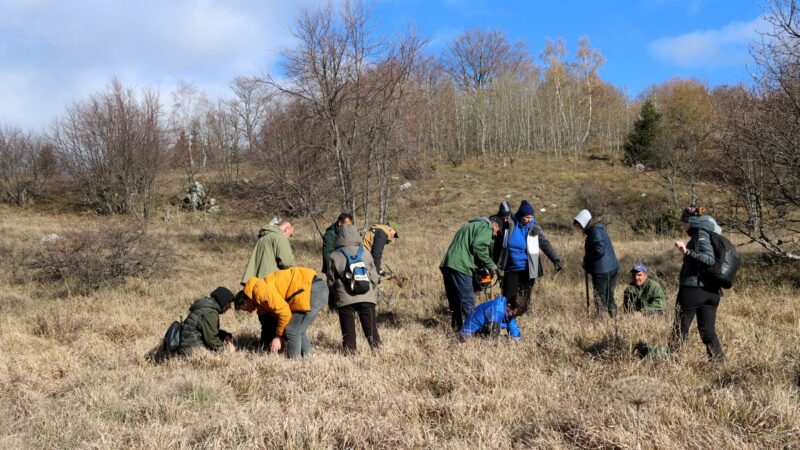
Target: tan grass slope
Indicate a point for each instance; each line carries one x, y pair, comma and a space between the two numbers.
78, 373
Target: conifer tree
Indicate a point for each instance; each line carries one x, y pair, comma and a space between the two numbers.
640, 144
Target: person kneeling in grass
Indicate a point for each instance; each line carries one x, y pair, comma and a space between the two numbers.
490, 318
201, 327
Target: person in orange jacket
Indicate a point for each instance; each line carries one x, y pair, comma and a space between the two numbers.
292, 298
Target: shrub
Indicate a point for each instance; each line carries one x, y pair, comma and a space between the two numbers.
87, 260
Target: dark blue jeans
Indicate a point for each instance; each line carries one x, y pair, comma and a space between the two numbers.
604, 284
460, 296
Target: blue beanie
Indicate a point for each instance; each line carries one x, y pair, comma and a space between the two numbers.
525, 209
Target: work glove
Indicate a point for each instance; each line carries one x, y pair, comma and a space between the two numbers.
559, 267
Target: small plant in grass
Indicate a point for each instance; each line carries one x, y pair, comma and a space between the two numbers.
637, 391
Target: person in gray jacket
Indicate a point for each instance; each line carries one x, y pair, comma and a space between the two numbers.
599, 260
697, 295
349, 304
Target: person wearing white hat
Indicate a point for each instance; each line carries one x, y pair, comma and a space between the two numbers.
599, 260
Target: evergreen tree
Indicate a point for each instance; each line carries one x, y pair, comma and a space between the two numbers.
639, 146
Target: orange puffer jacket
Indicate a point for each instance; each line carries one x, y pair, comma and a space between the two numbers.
282, 292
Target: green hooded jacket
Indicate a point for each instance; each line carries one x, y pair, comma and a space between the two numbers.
470, 247
272, 252
648, 299
201, 326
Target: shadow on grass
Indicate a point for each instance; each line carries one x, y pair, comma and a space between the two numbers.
157, 355
608, 347
249, 342
389, 319
439, 319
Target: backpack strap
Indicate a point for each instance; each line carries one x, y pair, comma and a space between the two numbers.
359, 253
291, 297
344, 252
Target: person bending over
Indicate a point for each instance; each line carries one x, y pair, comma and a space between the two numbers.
490, 318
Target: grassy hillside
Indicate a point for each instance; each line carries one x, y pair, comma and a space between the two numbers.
81, 371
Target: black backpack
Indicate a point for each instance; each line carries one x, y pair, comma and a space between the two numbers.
172, 339
726, 261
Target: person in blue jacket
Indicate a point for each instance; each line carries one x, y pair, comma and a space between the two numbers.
491, 317
599, 260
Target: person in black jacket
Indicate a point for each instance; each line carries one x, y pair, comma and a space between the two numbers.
504, 213
698, 295
376, 238
599, 260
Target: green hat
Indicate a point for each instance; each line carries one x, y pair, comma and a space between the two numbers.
393, 224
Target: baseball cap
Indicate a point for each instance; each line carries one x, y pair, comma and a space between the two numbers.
393, 224
639, 267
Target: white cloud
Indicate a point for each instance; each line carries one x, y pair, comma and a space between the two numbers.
55, 52
726, 46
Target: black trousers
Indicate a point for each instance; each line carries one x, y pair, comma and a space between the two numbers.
268, 324
604, 284
696, 301
515, 283
369, 324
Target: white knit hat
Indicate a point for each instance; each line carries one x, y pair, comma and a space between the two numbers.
583, 218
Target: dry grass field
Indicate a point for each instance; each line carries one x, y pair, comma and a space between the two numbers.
82, 371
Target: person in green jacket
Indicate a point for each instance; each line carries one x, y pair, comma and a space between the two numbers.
201, 326
271, 253
329, 238
643, 294
469, 250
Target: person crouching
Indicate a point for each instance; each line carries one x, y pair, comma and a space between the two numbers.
201, 327
491, 317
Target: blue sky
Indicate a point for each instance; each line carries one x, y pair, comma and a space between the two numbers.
56, 52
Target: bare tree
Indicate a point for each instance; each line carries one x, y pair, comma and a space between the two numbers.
476, 58
251, 106
351, 82
26, 162
189, 107
114, 144
759, 161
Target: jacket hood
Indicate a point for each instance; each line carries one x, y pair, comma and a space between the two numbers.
204, 303
348, 235
481, 219
594, 222
583, 218
705, 223
267, 230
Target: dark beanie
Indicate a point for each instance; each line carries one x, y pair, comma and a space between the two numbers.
525, 209
223, 296
504, 210
688, 212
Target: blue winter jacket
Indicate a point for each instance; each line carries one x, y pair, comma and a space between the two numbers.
598, 256
488, 313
